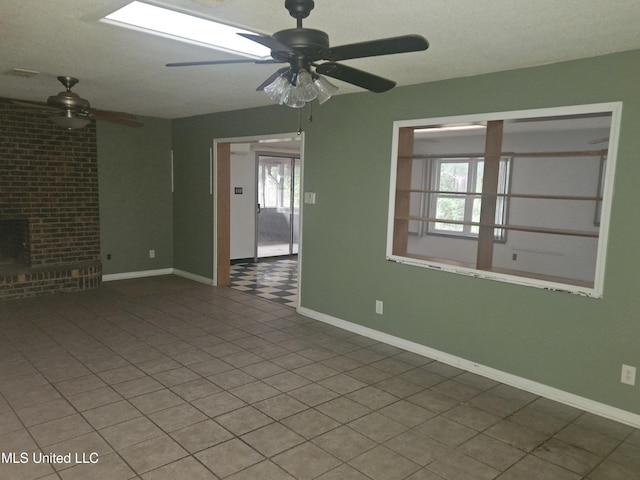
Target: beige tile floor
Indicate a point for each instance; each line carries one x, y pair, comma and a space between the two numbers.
163, 378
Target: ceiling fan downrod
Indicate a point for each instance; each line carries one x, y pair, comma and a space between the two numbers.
299, 9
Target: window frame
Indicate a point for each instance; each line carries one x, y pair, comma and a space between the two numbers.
432, 178
596, 290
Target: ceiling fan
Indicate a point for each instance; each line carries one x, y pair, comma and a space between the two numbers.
309, 56
72, 111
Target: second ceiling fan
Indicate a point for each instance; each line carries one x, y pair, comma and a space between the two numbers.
69, 110
309, 56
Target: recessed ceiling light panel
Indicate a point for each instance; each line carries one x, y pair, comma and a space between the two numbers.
186, 28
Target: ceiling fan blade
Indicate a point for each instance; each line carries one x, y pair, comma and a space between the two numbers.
34, 105
374, 48
217, 62
121, 121
354, 76
124, 121
111, 113
121, 118
268, 42
272, 78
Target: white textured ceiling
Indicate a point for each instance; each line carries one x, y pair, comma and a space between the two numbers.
124, 70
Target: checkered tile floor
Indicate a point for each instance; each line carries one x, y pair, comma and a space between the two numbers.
275, 280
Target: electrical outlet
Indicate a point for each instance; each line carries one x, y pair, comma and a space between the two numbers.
152, 254
628, 375
379, 307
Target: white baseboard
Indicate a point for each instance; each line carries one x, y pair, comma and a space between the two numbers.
193, 276
155, 273
582, 403
141, 274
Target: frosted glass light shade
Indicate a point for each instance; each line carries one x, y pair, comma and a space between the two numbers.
324, 89
305, 89
69, 121
278, 90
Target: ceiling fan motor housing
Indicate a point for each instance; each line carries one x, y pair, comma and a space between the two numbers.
308, 40
68, 101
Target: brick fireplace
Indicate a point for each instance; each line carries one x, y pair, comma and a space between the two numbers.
49, 210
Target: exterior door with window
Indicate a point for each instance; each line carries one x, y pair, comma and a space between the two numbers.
278, 205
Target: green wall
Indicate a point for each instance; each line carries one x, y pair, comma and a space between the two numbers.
193, 205
569, 342
136, 205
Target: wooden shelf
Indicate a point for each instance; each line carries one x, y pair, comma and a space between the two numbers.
517, 228
575, 153
505, 195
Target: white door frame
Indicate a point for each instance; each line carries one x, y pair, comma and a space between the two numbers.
214, 189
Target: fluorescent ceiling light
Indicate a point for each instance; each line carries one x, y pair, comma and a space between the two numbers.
187, 28
449, 128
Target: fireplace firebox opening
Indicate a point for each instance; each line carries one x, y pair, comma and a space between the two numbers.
14, 244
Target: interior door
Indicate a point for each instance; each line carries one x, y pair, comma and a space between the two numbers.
278, 205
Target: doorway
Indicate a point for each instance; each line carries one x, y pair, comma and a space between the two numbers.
234, 161
278, 205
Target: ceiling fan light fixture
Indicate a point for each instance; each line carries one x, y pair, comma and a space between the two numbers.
70, 121
297, 91
282, 92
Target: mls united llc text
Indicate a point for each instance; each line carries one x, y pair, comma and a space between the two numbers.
51, 458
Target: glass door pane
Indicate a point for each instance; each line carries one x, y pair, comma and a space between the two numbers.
278, 193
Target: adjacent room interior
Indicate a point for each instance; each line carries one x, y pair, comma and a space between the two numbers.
408, 256
265, 217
